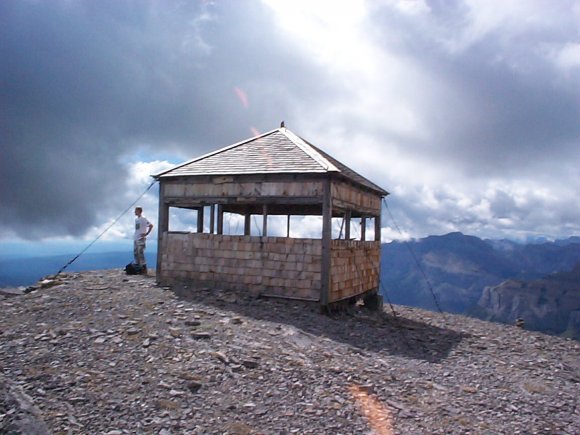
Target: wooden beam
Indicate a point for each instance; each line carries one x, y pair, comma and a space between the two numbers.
288, 226
244, 178
242, 200
304, 206
357, 210
326, 243
200, 219
265, 220
162, 229
363, 228
347, 225
247, 224
220, 219
211, 218
378, 228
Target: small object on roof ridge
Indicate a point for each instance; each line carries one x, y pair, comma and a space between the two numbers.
282, 124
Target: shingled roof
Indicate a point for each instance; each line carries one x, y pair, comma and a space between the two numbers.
276, 152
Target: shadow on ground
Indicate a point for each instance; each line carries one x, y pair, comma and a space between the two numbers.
363, 330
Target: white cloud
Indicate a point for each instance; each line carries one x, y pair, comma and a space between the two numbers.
388, 234
568, 57
140, 172
417, 131
305, 226
134, 189
518, 208
457, 108
330, 30
411, 7
507, 21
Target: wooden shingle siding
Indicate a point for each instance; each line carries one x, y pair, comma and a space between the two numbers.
311, 188
348, 197
274, 266
355, 268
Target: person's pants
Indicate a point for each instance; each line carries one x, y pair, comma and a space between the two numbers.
139, 252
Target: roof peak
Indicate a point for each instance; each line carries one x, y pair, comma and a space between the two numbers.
308, 149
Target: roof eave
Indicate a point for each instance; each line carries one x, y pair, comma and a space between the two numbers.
218, 174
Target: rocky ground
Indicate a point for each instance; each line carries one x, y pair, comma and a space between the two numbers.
102, 352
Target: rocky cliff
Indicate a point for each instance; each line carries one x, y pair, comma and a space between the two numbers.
459, 267
550, 304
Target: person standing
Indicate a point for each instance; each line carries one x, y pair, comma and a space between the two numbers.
142, 229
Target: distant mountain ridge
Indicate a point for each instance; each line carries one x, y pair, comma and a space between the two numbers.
460, 267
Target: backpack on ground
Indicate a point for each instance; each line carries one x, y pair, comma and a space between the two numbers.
133, 269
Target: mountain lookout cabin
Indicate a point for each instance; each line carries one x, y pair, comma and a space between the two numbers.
276, 177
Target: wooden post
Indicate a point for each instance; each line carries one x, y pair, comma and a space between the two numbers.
347, 215
220, 219
265, 220
378, 239
247, 224
162, 229
211, 218
200, 219
326, 243
363, 228
288, 226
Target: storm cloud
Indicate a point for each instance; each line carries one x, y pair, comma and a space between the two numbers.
466, 111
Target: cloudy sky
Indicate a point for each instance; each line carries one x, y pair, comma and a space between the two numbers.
468, 112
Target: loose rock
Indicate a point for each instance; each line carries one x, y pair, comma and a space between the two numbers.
100, 352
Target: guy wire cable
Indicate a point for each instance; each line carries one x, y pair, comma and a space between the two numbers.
380, 281
415, 258
398, 324
256, 225
384, 292
341, 227
105, 230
